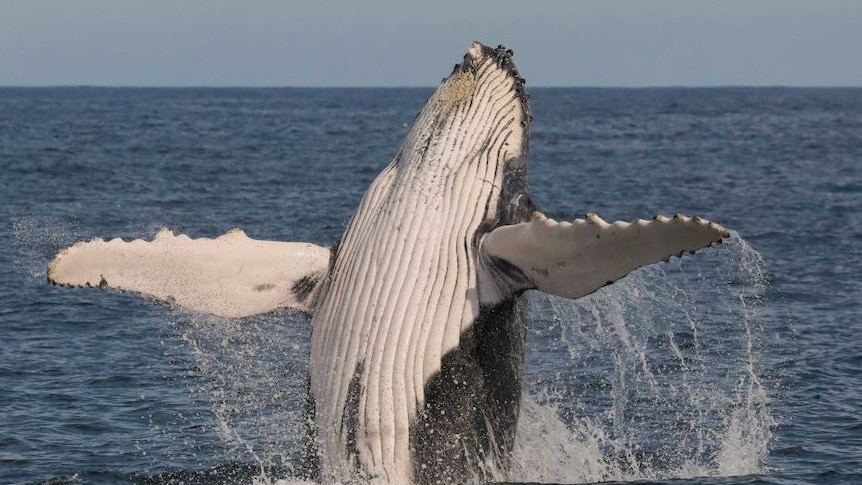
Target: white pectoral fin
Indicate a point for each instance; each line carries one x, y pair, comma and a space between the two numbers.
230, 276
574, 259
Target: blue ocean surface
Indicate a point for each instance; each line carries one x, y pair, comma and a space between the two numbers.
740, 364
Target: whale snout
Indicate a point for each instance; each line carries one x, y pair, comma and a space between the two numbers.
486, 77
501, 57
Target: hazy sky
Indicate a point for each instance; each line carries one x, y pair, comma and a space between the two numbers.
413, 43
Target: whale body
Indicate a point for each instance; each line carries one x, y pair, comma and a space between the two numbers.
415, 370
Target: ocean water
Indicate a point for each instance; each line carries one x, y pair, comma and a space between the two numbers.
741, 364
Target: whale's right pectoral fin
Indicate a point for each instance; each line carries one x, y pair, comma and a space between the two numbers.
574, 259
230, 276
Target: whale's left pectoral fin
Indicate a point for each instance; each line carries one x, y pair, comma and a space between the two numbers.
574, 259
230, 276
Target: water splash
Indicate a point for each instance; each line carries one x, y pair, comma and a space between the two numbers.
654, 377
748, 429
37, 239
253, 376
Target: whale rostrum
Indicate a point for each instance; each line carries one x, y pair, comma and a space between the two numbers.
415, 370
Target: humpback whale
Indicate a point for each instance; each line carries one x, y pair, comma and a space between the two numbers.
417, 333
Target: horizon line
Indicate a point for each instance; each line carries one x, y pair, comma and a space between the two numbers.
538, 86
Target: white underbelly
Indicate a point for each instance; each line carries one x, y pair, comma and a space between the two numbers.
379, 334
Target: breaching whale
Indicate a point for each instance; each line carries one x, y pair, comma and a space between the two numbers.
415, 369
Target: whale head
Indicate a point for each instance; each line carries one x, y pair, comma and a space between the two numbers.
485, 100
473, 130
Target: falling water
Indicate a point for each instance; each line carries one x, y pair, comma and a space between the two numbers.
654, 377
253, 375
